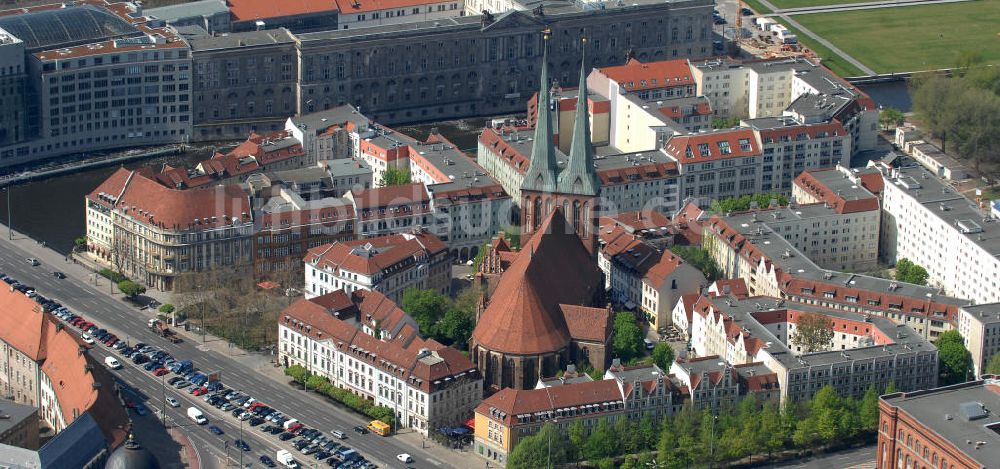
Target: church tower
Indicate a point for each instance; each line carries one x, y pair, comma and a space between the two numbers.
576, 188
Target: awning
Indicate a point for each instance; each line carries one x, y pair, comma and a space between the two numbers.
471, 423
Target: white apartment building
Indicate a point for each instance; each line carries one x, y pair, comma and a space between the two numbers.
331, 134
387, 264
980, 329
364, 343
926, 221
864, 351
662, 288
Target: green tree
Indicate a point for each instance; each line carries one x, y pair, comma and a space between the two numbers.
663, 356
746, 202
813, 332
725, 122
700, 259
626, 343
80, 243
890, 117
166, 308
907, 271
774, 431
546, 448
647, 433
130, 288
316, 382
890, 388
395, 177
955, 359
993, 366
577, 440
456, 327
426, 307
968, 59
869, 413
297, 373
602, 442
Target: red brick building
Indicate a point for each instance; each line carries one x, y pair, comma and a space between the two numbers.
951, 427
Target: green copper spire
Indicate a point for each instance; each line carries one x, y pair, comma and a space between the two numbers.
580, 176
543, 170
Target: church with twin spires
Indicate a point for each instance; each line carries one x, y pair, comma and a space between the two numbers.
547, 309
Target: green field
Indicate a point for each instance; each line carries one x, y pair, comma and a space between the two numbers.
811, 3
912, 38
831, 60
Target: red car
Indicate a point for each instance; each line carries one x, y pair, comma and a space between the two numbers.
76, 320
160, 372
294, 428
199, 391
255, 405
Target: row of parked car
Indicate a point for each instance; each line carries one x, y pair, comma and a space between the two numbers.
308, 441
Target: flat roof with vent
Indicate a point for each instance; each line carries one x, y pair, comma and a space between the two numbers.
964, 415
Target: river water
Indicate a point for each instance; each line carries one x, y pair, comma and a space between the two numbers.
52, 210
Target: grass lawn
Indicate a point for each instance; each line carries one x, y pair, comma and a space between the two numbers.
912, 38
811, 3
831, 60
756, 6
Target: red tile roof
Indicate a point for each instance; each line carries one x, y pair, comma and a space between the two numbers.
513, 402
80, 383
387, 252
587, 323
688, 149
737, 287
663, 269
424, 364
361, 6
792, 133
640, 219
379, 197
635, 75
552, 268
192, 209
249, 10
808, 183
873, 182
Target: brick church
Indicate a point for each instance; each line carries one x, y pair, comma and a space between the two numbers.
546, 308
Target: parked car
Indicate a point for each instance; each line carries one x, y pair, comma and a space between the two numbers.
285, 436
87, 339
159, 372
257, 421
181, 384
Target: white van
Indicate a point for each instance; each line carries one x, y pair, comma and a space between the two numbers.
197, 415
339, 434
112, 363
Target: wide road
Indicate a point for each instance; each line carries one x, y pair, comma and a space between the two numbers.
122, 320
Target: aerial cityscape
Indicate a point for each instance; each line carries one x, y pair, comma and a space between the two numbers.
500, 233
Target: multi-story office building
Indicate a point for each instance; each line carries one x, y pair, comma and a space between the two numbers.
243, 82
211, 16
124, 83
485, 65
864, 350
948, 427
19, 425
152, 233
980, 329
13, 90
389, 265
926, 221
364, 343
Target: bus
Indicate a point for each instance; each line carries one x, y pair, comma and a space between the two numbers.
379, 427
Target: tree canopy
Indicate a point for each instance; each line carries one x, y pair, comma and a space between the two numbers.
448, 321
663, 356
744, 202
993, 366
955, 359
700, 259
907, 271
962, 111
626, 343
890, 117
395, 177
130, 288
813, 332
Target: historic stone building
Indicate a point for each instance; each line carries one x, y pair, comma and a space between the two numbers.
485, 65
243, 82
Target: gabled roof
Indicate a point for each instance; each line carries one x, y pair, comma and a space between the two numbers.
711, 146
587, 323
371, 256
378, 197
636, 76
659, 273
552, 268
508, 403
